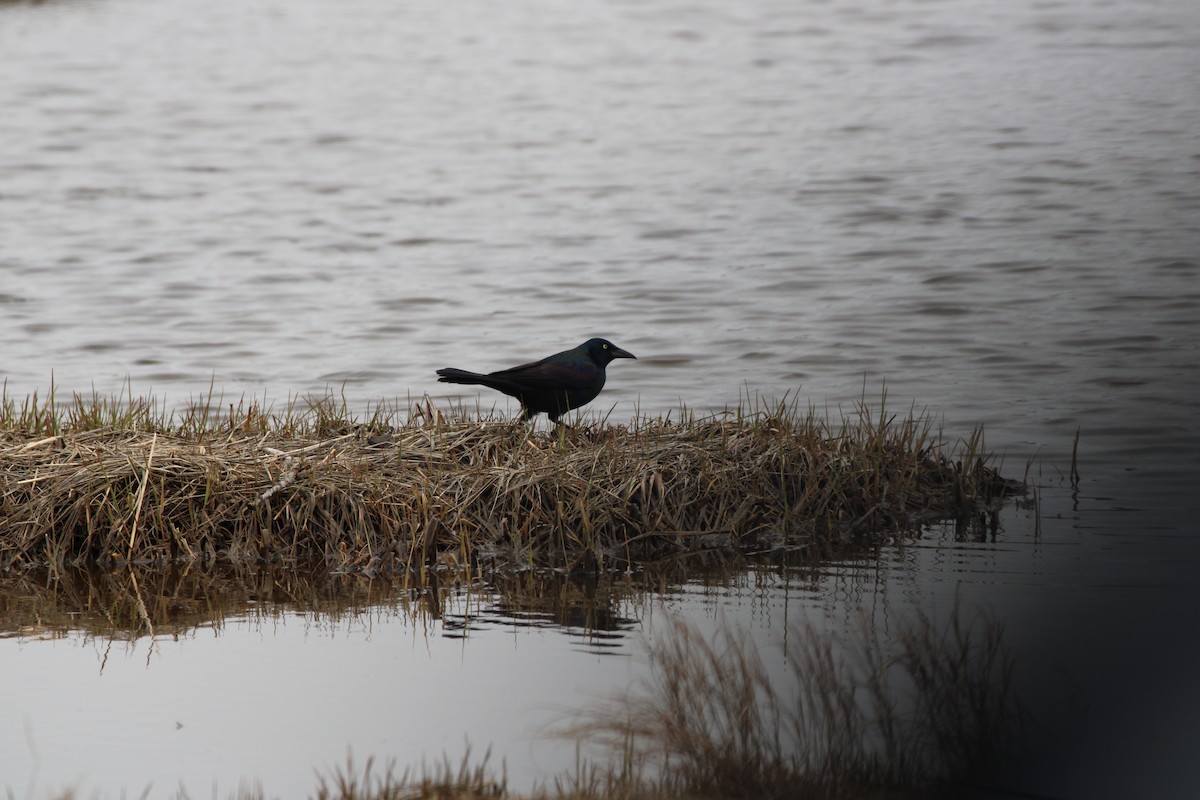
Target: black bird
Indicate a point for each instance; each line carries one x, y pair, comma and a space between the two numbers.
556, 384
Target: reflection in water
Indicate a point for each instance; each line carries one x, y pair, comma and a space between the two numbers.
129, 605
174, 603
302, 651
601, 610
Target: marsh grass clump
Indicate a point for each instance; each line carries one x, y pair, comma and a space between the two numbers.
104, 481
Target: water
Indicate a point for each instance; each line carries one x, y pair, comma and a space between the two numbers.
274, 695
990, 208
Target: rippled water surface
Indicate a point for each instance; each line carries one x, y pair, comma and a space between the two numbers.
992, 208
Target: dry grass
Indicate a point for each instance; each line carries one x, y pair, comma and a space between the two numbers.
109, 481
468, 780
926, 714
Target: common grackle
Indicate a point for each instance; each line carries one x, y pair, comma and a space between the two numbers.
556, 384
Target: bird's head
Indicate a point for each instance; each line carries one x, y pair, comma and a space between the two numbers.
602, 351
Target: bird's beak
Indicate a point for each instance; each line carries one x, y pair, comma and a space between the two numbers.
617, 352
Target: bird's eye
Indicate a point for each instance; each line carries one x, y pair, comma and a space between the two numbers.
604, 346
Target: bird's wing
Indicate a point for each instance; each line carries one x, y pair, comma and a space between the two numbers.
551, 373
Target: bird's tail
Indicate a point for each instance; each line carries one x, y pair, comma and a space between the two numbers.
452, 375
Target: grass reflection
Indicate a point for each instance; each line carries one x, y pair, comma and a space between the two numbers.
133, 603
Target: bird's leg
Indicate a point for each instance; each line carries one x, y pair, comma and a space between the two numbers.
562, 432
